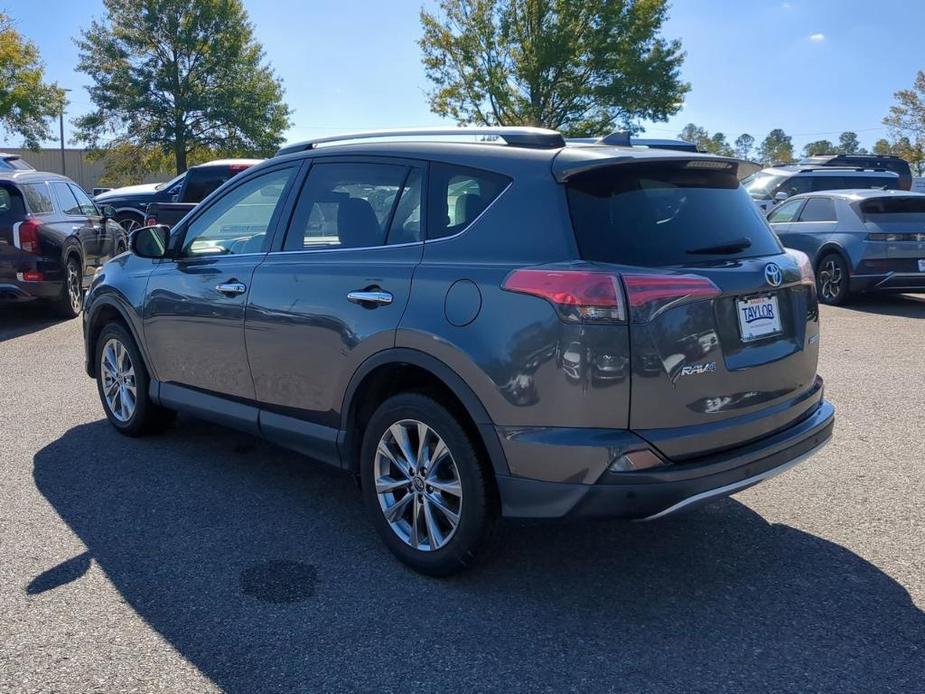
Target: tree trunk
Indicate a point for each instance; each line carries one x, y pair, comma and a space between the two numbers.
179, 150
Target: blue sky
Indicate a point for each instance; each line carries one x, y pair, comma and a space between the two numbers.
811, 67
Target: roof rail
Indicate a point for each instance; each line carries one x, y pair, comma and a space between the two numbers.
804, 168
537, 138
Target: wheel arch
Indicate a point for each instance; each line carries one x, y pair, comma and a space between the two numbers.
407, 370
104, 311
831, 247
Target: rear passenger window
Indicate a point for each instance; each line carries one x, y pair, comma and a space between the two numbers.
38, 198
66, 200
796, 185
356, 206
458, 195
818, 210
84, 202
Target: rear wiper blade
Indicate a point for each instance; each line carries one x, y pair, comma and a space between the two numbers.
733, 246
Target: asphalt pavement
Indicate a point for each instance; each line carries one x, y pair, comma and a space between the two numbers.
203, 559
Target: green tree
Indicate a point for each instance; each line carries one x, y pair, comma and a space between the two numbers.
903, 147
181, 75
906, 121
883, 147
818, 147
848, 143
696, 135
27, 102
776, 148
719, 145
743, 146
585, 68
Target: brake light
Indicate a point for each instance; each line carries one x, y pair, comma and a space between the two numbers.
235, 168
29, 236
31, 276
578, 295
649, 295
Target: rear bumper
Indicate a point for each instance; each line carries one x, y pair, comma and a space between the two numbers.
19, 292
889, 282
660, 491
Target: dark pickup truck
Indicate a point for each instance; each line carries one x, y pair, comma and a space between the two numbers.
198, 182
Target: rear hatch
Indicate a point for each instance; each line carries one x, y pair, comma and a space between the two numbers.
12, 212
895, 231
723, 321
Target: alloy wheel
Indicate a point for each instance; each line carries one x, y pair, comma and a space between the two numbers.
830, 280
418, 485
118, 374
74, 290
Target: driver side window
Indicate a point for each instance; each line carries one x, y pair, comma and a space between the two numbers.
238, 221
786, 212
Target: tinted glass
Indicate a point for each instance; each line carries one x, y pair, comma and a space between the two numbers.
818, 210
890, 206
796, 185
11, 206
786, 212
201, 182
759, 185
38, 198
457, 195
83, 200
655, 214
354, 205
239, 220
66, 200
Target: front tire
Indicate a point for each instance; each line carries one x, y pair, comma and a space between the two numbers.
122, 382
832, 280
425, 487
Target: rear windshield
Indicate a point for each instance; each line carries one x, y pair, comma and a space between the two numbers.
892, 206
665, 214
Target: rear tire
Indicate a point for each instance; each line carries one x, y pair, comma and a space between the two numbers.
122, 382
70, 301
129, 221
440, 520
832, 279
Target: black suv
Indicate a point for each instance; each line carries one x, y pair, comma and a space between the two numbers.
878, 162
53, 238
516, 327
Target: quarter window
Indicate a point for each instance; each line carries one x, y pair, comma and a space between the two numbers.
356, 206
239, 220
38, 198
786, 212
66, 200
818, 210
458, 195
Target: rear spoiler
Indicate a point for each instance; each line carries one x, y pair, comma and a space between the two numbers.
570, 162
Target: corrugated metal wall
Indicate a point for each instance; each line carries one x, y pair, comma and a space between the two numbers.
76, 165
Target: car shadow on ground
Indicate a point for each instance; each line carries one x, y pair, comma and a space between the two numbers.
901, 305
19, 320
260, 568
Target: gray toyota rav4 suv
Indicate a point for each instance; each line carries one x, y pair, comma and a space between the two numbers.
512, 326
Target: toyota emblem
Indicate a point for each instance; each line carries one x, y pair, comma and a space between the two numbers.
773, 274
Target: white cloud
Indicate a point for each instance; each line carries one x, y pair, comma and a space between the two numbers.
817, 37
786, 5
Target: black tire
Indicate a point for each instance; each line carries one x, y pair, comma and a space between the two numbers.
146, 417
832, 280
478, 510
70, 301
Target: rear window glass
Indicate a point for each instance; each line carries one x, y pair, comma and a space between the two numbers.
854, 182
457, 195
38, 198
890, 206
658, 214
11, 206
818, 210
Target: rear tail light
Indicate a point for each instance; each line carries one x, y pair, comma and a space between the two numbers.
882, 236
578, 295
807, 276
29, 236
235, 168
649, 295
31, 276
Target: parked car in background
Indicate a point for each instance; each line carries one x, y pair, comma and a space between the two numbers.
53, 238
771, 186
590, 331
131, 202
196, 185
14, 162
858, 240
877, 162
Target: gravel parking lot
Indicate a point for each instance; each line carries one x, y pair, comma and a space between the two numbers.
204, 559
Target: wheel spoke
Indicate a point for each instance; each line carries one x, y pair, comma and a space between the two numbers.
434, 534
387, 485
445, 510
384, 451
400, 434
415, 522
394, 513
447, 486
422, 457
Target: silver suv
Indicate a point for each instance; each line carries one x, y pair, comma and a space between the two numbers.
483, 329
771, 186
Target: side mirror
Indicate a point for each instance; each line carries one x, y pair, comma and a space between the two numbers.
780, 196
108, 211
150, 242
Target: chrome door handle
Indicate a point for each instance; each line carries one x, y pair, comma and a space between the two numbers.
383, 298
231, 288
